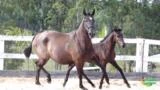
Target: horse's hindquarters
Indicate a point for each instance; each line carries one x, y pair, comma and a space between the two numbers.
51, 44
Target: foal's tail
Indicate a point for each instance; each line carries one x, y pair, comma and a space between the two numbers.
27, 51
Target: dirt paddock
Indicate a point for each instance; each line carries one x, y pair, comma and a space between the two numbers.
27, 83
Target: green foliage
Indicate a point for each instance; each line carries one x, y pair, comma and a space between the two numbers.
138, 19
10, 30
102, 32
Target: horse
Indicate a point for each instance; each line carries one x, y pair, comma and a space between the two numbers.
106, 53
66, 48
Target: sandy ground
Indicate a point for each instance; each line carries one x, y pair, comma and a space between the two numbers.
23, 83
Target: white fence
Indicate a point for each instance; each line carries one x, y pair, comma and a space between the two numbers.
141, 58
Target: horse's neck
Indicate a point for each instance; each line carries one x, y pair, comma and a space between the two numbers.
82, 33
82, 37
110, 42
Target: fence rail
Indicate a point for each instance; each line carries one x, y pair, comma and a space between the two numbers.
141, 57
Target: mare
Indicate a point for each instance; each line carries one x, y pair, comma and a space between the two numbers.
106, 53
66, 48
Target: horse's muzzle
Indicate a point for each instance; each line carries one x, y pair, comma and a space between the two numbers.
91, 32
91, 35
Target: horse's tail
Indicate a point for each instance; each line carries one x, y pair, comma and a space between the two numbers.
27, 51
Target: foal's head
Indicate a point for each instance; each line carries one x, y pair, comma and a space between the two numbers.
118, 37
88, 23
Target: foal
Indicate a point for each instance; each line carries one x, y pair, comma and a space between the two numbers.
66, 48
106, 53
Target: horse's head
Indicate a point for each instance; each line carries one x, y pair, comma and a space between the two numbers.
118, 36
88, 23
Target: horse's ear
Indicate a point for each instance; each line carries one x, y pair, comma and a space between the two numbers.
84, 12
117, 29
93, 12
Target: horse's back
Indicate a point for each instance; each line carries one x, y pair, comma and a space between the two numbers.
52, 44
45, 36
104, 51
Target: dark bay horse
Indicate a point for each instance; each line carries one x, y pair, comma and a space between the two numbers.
66, 48
106, 53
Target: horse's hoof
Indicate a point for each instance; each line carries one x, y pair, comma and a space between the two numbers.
100, 87
83, 88
38, 83
108, 82
64, 84
93, 85
128, 86
49, 80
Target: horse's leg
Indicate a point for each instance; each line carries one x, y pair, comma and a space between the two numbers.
67, 75
102, 78
39, 67
47, 74
121, 72
68, 72
80, 72
89, 81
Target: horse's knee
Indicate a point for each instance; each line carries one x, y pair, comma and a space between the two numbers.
40, 62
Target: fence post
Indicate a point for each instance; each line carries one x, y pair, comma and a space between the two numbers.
139, 54
1, 53
145, 56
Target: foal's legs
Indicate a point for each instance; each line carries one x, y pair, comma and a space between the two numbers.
121, 72
67, 75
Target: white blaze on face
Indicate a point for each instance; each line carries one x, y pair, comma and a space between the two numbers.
90, 18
